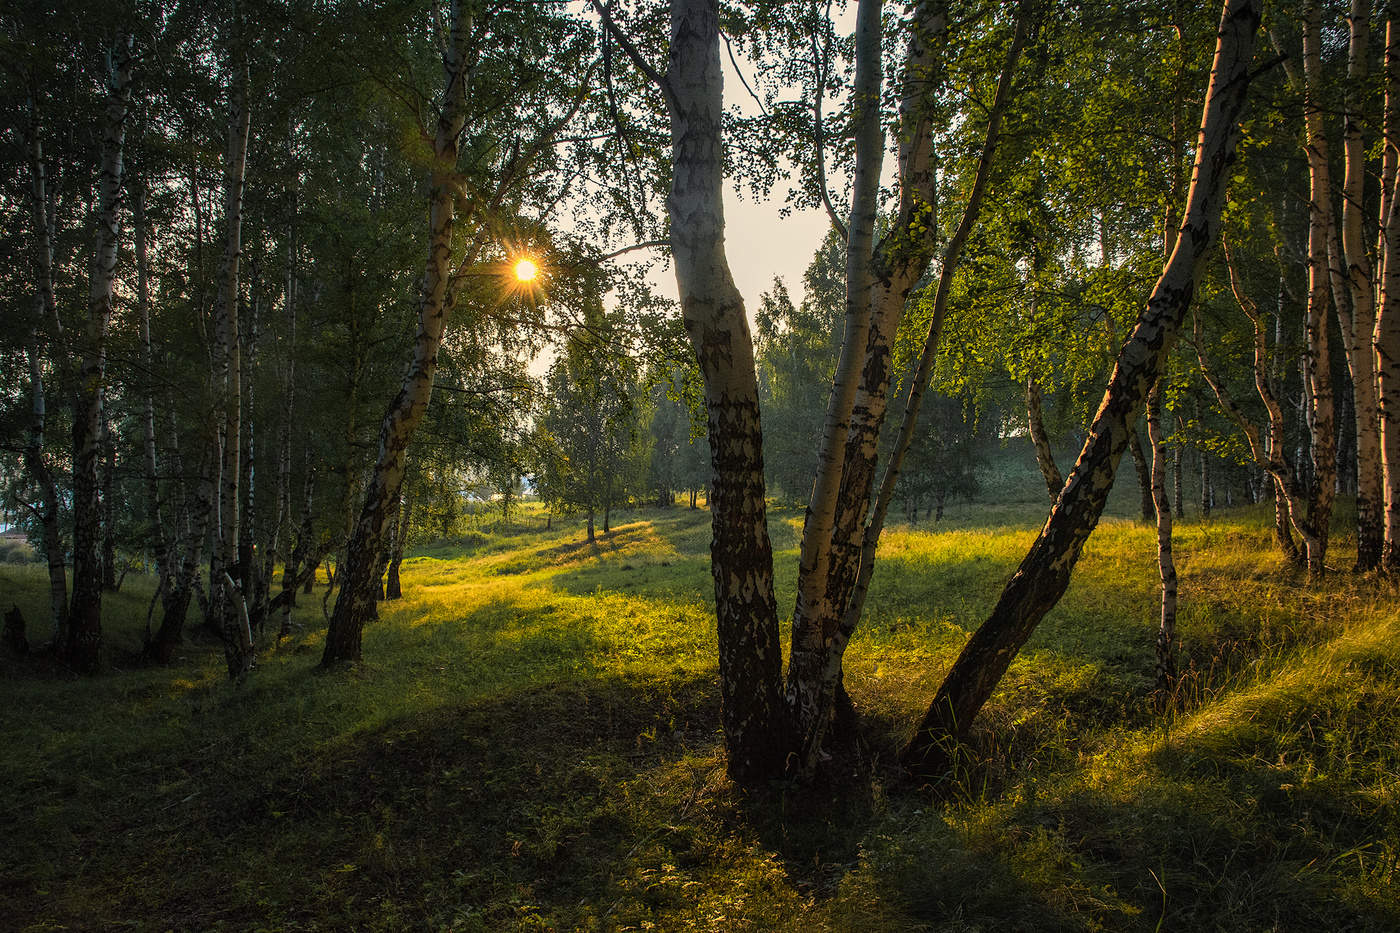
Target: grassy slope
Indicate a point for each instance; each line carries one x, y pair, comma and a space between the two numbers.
531, 744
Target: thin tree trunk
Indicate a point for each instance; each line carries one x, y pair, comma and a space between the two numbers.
359, 584
1044, 456
1178, 493
109, 533
1144, 477
155, 528
1166, 565
1045, 572
393, 588
227, 601
46, 310
84, 642
1387, 329
1317, 361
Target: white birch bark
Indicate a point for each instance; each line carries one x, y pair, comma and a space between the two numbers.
1045, 572
84, 632
1387, 330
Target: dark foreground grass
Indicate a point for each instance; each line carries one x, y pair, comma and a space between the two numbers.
531, 744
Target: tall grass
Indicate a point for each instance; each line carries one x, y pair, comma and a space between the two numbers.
532, 743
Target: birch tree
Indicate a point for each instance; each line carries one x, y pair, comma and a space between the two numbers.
1045, 572
83, 642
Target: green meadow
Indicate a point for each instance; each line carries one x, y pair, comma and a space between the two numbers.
532, 744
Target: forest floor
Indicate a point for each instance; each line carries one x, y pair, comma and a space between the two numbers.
531, 744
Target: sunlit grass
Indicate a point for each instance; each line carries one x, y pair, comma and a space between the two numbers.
531, 743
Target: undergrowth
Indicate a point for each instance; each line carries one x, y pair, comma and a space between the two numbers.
531, 743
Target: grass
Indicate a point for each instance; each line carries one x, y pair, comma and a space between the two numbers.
531, 744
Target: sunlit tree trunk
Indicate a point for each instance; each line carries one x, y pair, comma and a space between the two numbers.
1387, 330
84, 636
811, 635
1045, 572
1359, 325
1317, 361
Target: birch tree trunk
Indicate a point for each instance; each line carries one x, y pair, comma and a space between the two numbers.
393, 589
1156, 431
1045, 572
83, 644
1044, 456
1359, 325
45, 310
109, 537
741, 554
1317, 361
156, 529
1144, 477
1166, 565
359, 579
227, 601
899, 261
810, 637
1387, 330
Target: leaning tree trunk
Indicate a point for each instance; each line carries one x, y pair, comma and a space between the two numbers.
359, 577
83, 644
1045, 572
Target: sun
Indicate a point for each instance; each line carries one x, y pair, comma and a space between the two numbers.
526, 270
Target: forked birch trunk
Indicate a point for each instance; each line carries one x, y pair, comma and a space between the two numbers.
83, 644
900, 260
1045, 572
810, 638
